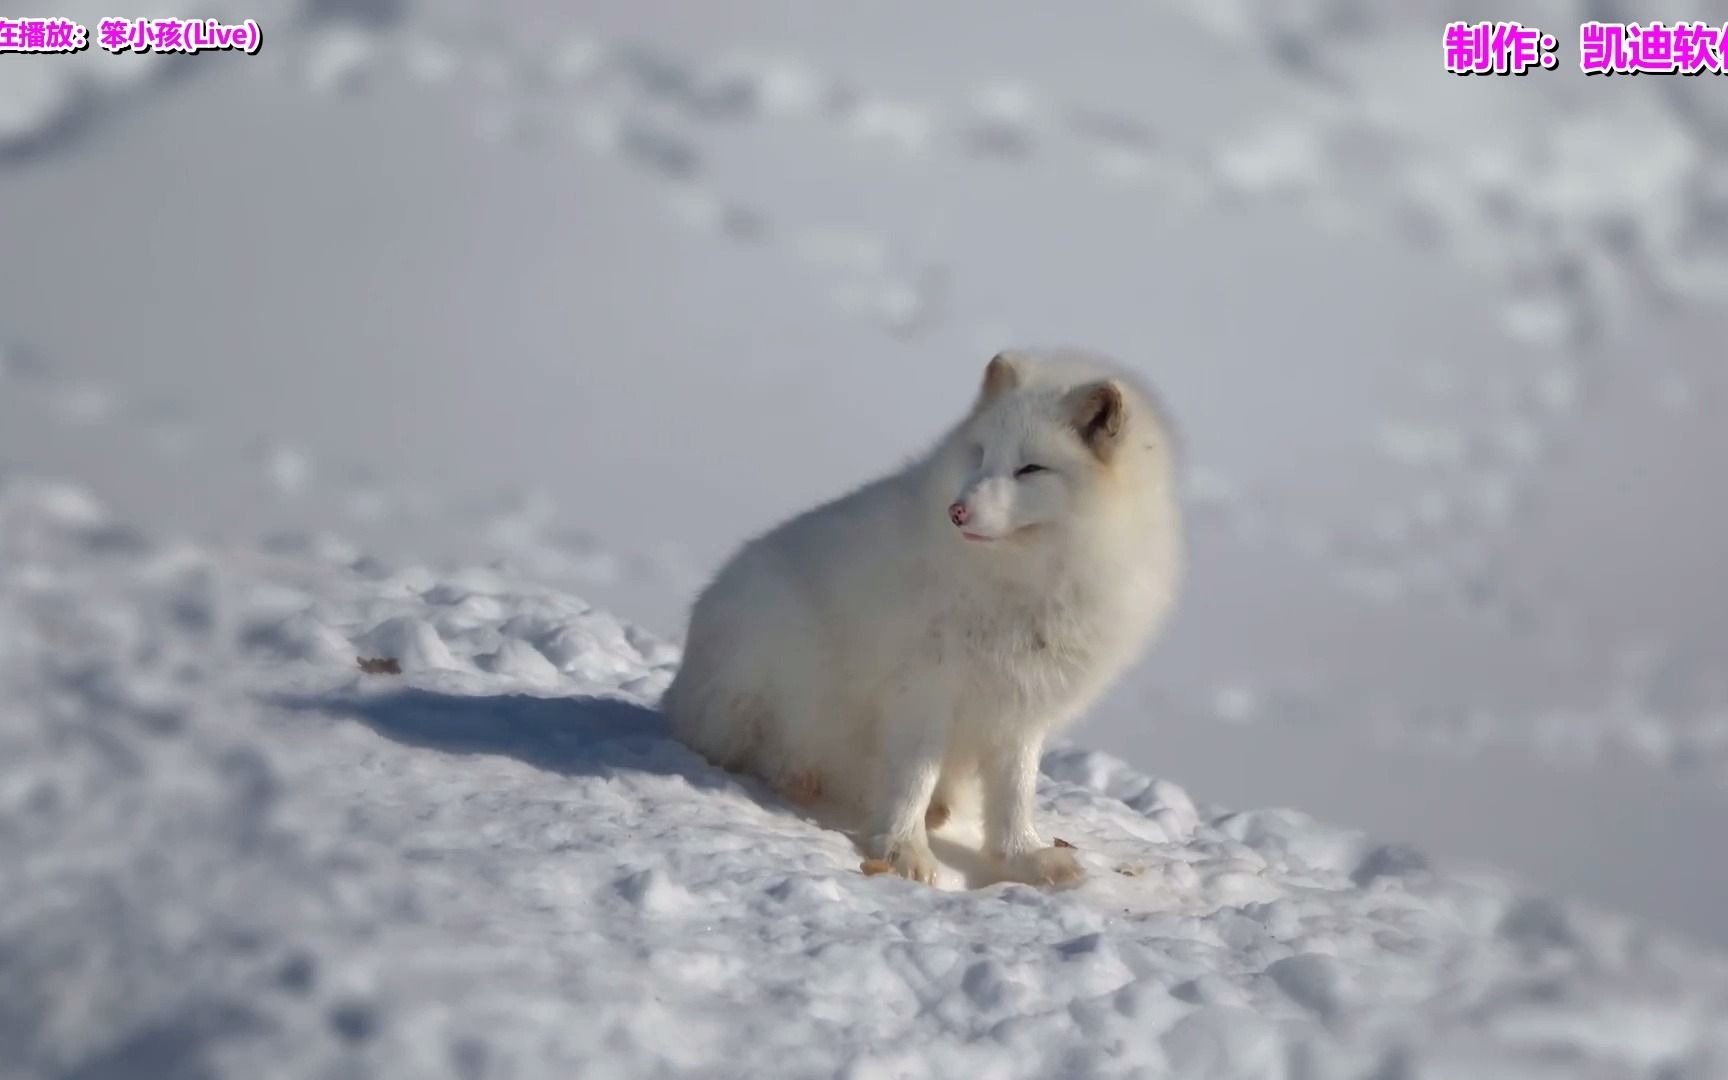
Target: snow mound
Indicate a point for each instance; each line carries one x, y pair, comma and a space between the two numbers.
228, 850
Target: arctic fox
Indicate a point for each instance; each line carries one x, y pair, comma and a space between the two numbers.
912, 643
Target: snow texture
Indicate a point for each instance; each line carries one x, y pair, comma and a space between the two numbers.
229, 852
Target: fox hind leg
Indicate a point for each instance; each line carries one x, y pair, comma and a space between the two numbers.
802, 788
937, 814
956, 789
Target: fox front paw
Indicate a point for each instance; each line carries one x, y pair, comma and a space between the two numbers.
1053, 866
908, 859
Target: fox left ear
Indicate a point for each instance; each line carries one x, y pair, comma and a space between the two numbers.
1099, 414
1001, 375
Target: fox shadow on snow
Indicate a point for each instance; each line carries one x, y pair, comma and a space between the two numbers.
573, 736
579, 736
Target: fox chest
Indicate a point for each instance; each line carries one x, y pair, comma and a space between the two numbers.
1023, 641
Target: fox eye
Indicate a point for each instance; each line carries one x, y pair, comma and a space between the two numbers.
1028, 470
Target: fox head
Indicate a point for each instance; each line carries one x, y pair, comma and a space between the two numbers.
1047, 447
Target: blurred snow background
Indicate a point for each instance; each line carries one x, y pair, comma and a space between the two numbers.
604, 291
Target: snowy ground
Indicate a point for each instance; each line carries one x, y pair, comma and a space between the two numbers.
228, 852
1445, 352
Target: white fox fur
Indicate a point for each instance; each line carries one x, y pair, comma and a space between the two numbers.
913, 642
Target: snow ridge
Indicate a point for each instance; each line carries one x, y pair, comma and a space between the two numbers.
228, 851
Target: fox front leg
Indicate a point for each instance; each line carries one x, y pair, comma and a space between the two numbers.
913, 737
1010, 775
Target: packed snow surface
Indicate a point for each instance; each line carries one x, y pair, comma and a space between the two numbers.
228, 851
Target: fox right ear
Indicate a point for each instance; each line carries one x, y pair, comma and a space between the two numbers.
1098, 414
1000, 376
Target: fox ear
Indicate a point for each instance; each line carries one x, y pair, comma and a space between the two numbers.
1099, 413
1001, 375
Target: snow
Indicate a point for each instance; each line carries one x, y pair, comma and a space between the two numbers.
230, 852
585, 298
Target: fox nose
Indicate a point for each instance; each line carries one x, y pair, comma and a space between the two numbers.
958, 513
